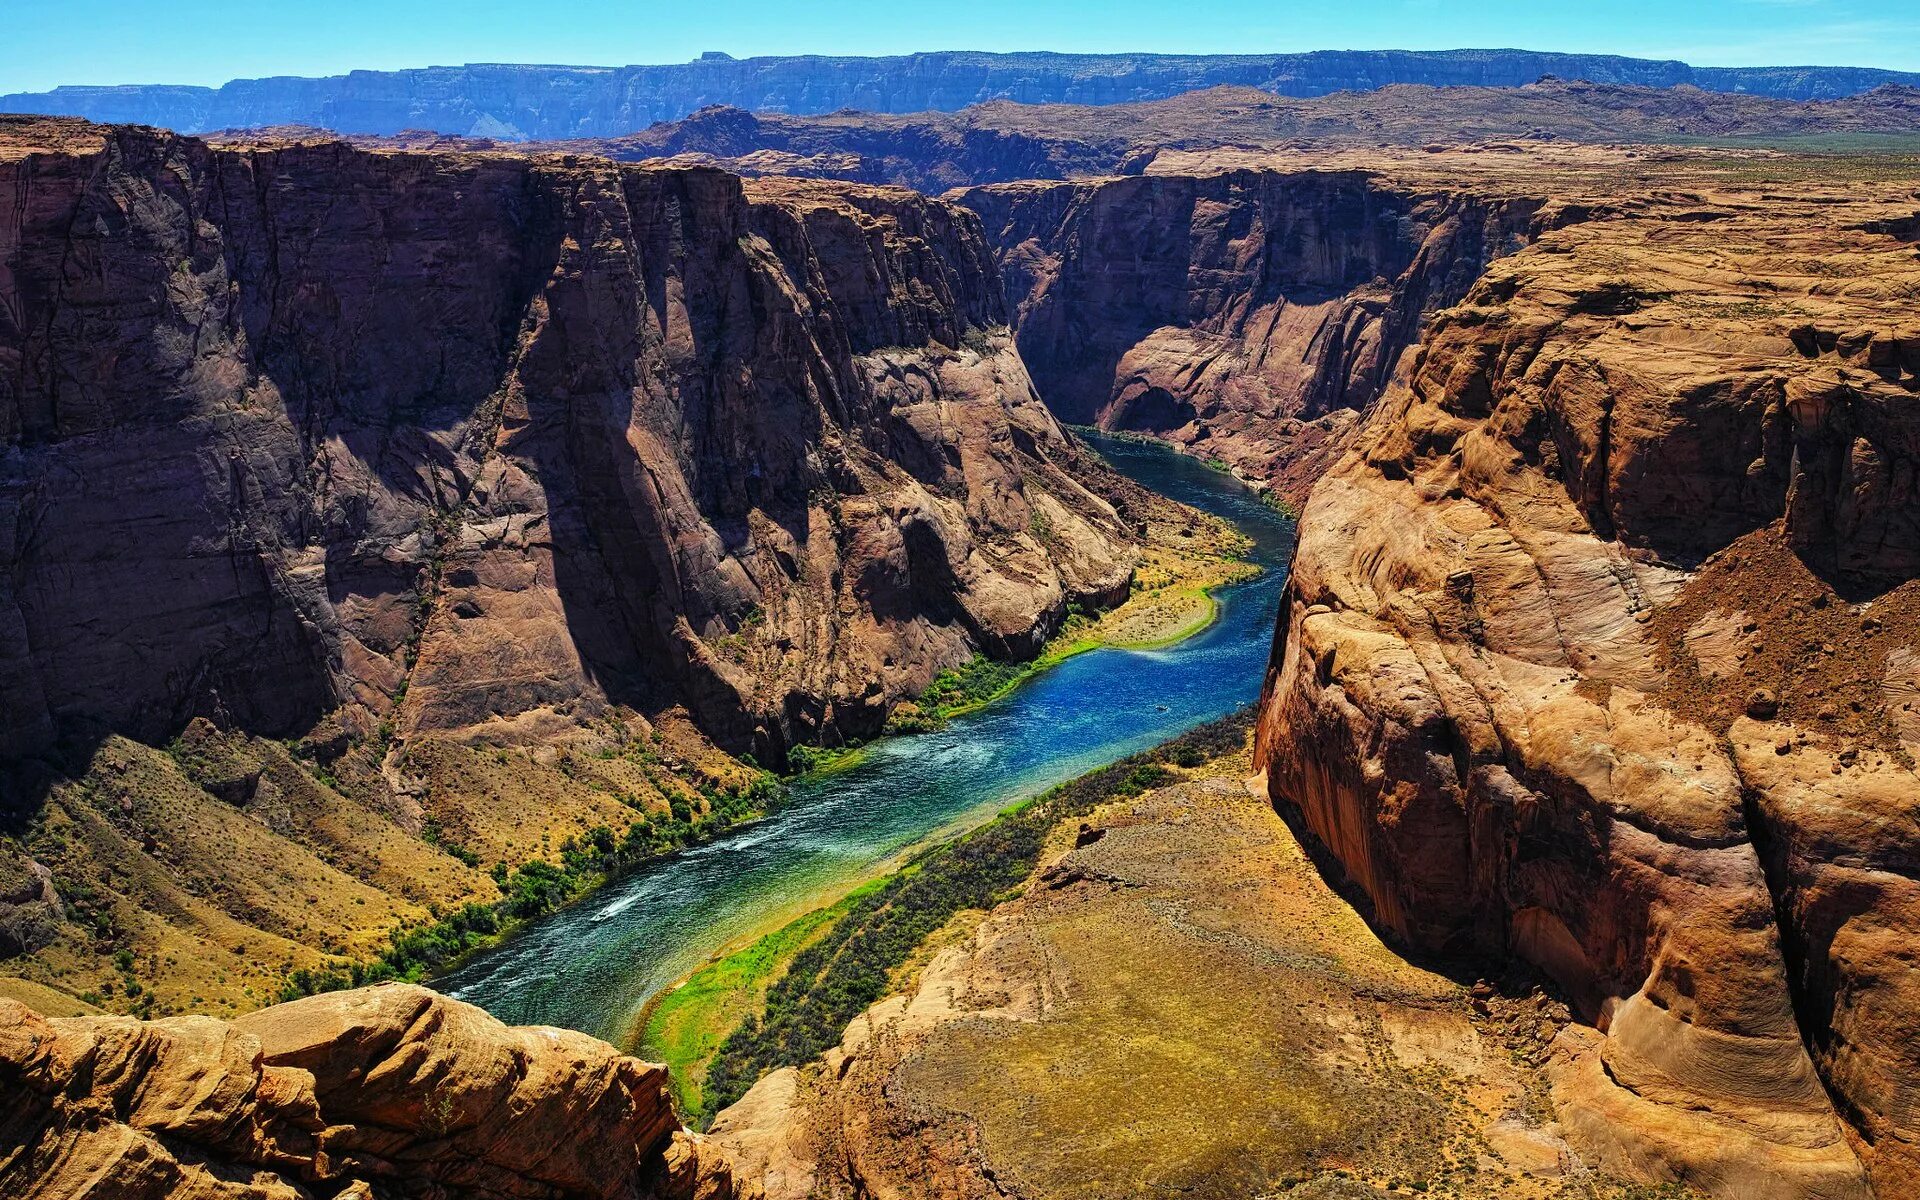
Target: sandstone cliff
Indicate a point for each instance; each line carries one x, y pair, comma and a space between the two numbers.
1599, 651
499, 489
483, 444
526, 101
388, 1091
1244, 314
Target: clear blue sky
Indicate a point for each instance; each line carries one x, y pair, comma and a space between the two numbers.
49, 42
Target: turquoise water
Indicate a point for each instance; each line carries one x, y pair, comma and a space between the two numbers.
593, 966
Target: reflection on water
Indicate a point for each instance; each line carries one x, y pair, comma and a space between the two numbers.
592, 966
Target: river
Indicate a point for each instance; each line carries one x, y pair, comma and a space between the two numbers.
593, 966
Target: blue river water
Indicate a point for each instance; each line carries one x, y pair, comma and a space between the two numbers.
593, 966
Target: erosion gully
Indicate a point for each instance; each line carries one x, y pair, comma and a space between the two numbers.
593, 966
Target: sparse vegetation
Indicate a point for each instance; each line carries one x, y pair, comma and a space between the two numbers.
848, 967
539, 886
1281, 505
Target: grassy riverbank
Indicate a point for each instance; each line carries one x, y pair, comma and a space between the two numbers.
684, 1027
1170, 600
540, 886
787, 996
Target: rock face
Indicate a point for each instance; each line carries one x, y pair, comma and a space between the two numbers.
1598, 651
1244, 314
1002, 141
389, 1090
516, 101
481, 444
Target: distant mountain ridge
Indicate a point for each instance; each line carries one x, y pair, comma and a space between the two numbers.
528, 102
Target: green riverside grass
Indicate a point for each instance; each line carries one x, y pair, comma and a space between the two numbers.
684, 1027
538, 887
804, 982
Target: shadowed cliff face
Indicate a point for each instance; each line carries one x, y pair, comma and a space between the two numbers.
1246, 315
484, 444
1599, 650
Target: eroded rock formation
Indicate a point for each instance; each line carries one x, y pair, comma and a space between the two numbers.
1598, 651
1245, 314
390, 1090
483, 445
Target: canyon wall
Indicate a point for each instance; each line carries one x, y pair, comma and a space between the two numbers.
517, 101
391, 1090
1247, 315
1599, 650
483, 445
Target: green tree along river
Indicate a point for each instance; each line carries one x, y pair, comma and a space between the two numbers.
594, 965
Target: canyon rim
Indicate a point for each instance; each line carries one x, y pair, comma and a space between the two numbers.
435, 504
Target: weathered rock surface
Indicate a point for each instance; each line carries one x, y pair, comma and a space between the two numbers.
1653, 467
1177, 1003
483, 445
391, 1090
509, 100
1245, 314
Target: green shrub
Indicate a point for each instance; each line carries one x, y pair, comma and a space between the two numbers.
535, 888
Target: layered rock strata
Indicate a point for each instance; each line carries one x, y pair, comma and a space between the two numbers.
388, 1091
1247, 315
1598, 651
485, 445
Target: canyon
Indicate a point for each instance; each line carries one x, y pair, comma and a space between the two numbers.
659, 410
1245, 315
380, 523
519, 101
503, 483
1239, 273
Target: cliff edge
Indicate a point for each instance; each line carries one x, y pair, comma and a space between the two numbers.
1599, 651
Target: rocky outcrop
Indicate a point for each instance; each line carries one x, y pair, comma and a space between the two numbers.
388, 1091
483, 445
1247, 315
1597, 651
522, 101
30, 907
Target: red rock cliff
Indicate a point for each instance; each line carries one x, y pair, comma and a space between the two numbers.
1247, 314
1600, 651
484, 444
